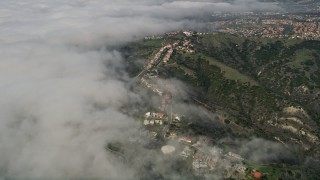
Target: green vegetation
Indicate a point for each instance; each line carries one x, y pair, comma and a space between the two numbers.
153, 43
275, 172
270, 172
216, 40
229, 73
252, 80
280, 66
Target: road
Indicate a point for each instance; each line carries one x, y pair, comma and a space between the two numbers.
158, 61
144, 71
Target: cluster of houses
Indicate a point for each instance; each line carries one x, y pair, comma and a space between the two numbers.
185, 46
187, 152
163, 54
234, 155
153, 37
207, 160
188, 33
154, 118
204, 161
167, 57
231, 163
305, 28
152, 122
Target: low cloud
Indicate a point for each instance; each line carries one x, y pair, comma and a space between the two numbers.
259, 150
61, 89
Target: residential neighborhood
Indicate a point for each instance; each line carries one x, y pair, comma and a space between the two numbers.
275, 26
203, 157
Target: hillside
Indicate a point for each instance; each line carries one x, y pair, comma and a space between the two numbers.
268, 88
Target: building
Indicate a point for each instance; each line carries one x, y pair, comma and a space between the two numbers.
159, 122
168, 149
199, 164
158, 115
236, 156
146, 122
148, 114
176, 118
187, 152
155, 115
256, 175
187, 33
185, 140
240, 168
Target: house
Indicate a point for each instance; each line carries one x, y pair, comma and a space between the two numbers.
187, 33
185, 140
256, 175
199, 164
148, 114
212, 162
146, 122
177, 118
172, 135
158, 122
158, 115
236, 156
187, 151
240, 168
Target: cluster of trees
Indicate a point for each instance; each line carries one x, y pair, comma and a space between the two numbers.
247, 102
283, 65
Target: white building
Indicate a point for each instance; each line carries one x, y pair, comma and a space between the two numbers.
146, 122
198, 164
187, 152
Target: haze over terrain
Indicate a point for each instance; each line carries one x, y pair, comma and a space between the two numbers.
61, 86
